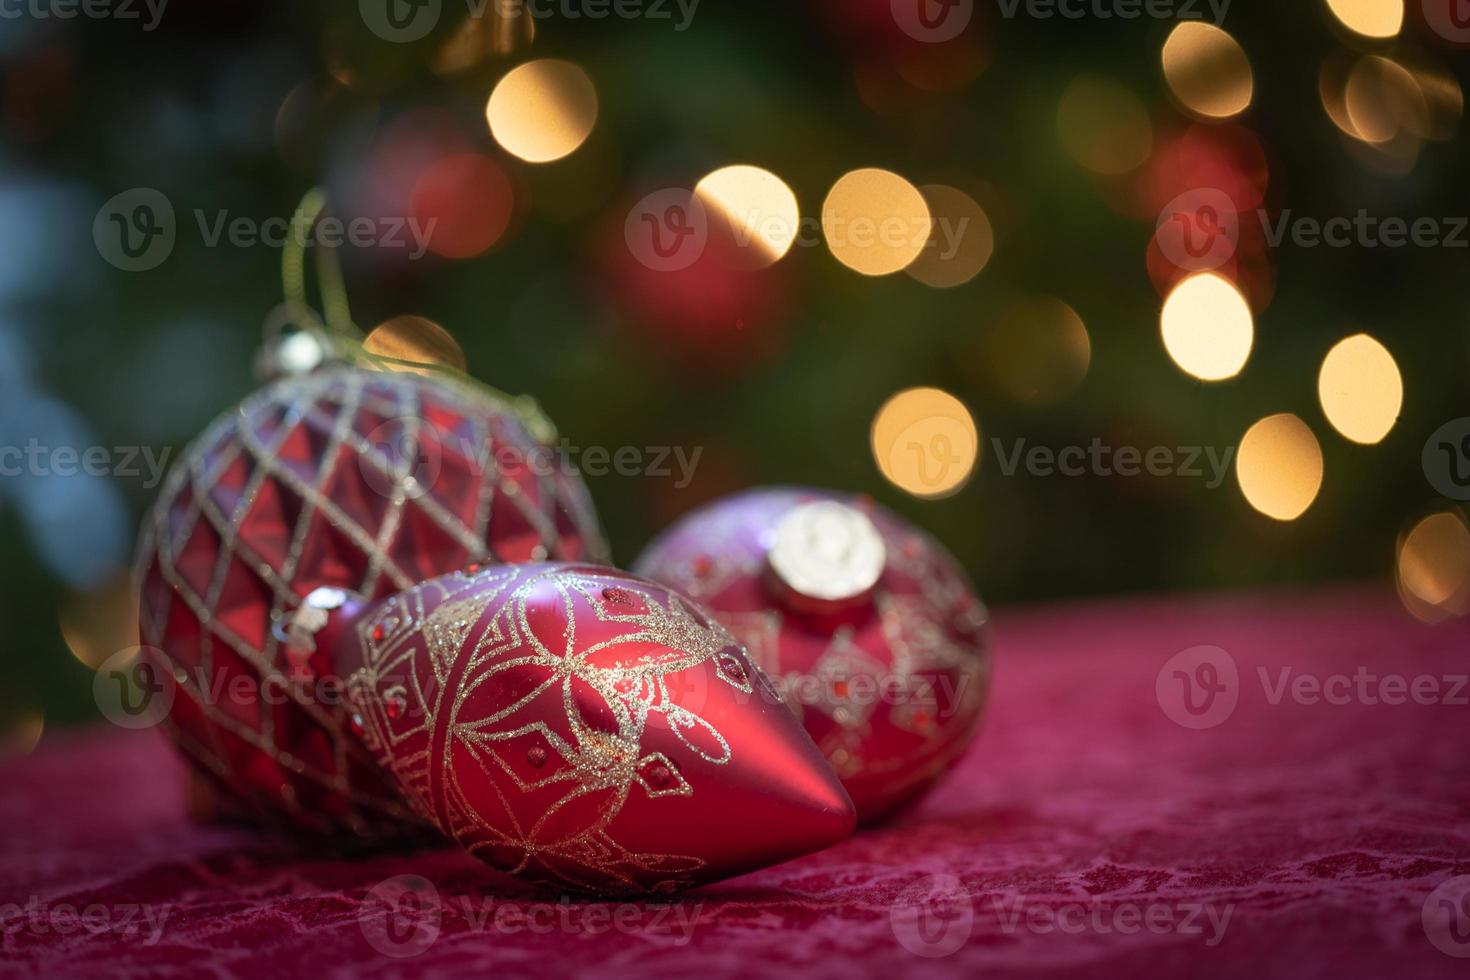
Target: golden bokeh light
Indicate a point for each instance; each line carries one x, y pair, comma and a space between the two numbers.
1434, 567
1444, 99
756, 206
1370, 18
97, 624
925, 442
1382, 101
1038, 351
875, 222
416, 340
1361, 389
542, 110
1331, 88
1207, 327
961, 240
1207, 70
1279, 466
20, 732
1103, 126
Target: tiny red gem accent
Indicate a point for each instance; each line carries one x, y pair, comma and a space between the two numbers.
394, 704
379, 633
660, 776
702, 565
536, 756
839, 688
617, 596
355, 722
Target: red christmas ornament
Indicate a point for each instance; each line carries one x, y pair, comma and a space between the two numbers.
577, 726
872, 631
350, 478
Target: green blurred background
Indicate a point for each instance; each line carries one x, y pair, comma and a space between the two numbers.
240, 106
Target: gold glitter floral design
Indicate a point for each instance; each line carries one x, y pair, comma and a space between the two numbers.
503, 684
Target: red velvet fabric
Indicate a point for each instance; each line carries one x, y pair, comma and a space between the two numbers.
1085, 835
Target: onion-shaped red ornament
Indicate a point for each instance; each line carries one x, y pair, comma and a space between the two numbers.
871, 630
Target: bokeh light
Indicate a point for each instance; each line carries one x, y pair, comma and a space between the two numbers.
99, 623
1279, 466
925, 442
1361, 389
756, 207
1370, 18
875, 222
1207, 327
1038, 351
20, 731
1382, 100
463, 203
961, 239
1444, 99
1433, 569
1207, 70
1103, 126
415, 339
542, 110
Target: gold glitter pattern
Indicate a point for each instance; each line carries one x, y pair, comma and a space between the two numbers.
363, 480
928, 635
525, 740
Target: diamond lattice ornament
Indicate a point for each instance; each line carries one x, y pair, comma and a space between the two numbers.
345, 478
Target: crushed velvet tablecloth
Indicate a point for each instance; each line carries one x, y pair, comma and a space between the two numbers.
1134, 807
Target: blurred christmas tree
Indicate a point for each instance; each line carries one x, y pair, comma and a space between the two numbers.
721, 237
